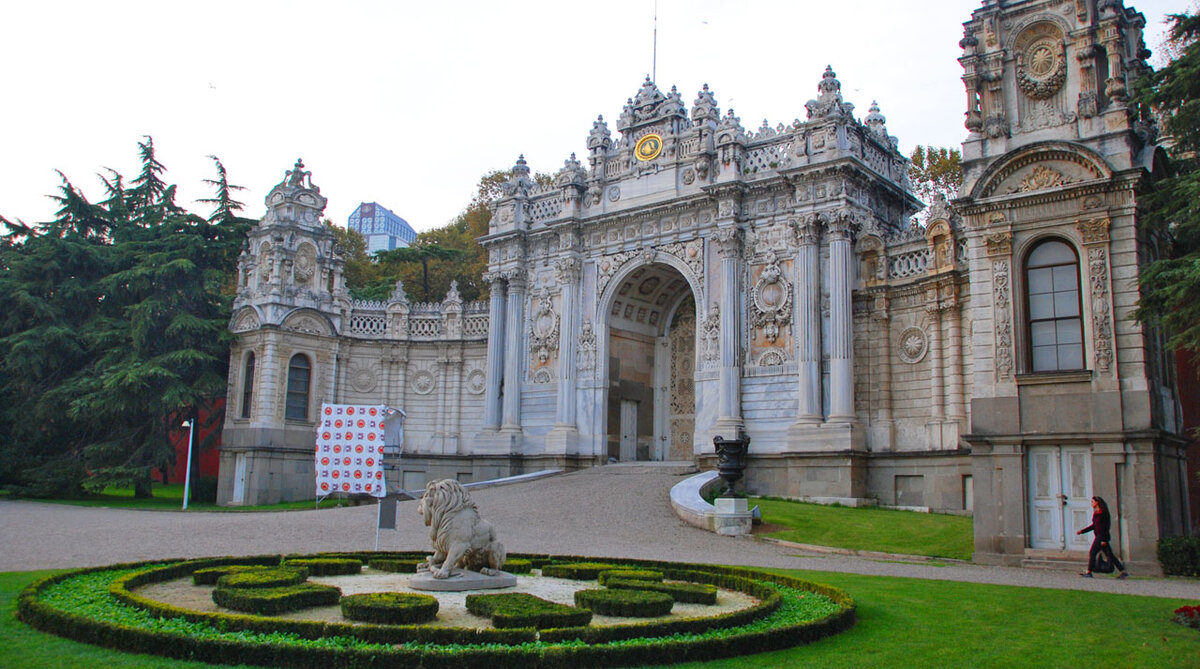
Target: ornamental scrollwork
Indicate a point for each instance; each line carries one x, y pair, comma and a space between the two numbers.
771, 300
544, 328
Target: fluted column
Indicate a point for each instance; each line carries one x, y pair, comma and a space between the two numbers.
883, 363
955, 402
841, 322
495, 353
269, 397
568, 272
937, 393
807, 308
514, 320
729, 247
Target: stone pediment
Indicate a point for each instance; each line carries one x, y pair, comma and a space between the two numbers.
1043, 166
306, 321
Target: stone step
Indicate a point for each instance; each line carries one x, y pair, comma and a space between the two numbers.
677, 467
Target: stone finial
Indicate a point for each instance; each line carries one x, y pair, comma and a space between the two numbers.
829, 100
705, 109
398, 294
876, 121
295, 177
940, 209
600, 137
519, 184
452, 296
674, 104
571, 174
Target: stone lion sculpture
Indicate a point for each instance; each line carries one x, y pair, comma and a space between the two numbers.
461, 539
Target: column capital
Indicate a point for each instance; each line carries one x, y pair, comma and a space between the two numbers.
807, 228
728, 241
515, 279
567, 269
838, 224
493, 278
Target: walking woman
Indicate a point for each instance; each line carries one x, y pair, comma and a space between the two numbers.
1101, 524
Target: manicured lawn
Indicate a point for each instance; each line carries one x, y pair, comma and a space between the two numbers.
902, 623
872, 529
169, 497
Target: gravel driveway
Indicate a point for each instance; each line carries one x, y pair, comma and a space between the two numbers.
611, 511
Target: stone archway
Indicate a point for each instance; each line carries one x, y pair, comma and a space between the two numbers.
651, 349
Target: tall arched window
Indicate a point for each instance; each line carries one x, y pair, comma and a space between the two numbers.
1055, 320
248, 385
299, 371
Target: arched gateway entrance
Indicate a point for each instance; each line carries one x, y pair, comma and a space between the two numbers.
651, 344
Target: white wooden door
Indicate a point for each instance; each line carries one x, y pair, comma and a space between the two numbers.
239, 479
629, 422
1060, 492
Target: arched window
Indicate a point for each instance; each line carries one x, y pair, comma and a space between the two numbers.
248, 385
1055, 320
299, 371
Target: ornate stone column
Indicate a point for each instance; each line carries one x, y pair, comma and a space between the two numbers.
729, 246
956, 401
495, 352
937, 393
568, 273
807, 317
514, 321
268, 398
841, 321
883, 363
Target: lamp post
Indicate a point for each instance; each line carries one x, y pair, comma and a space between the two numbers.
187, 477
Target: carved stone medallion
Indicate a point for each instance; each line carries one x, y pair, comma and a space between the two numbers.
913, 345
363, 378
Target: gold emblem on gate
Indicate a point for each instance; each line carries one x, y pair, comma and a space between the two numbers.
648, 147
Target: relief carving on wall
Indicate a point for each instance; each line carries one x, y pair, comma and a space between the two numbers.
710, 351
1041, 61
305, 265
1041, 177
543, 336
423, 378
363, 377
1001, 299
1101, 313
305, 325
246, 321
913, 345
476, 380
585, 352
771, 300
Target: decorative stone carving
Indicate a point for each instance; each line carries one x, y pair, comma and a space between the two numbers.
728, 240
771, 300
245, 321
305, 264
1094, 231
567, 269
306, 324
691, 253
1042, 66
1044, 114
710, 355
476, 381
913, 345
363, 378
585, 352
829, 101
423, 381
999, 244
544, 326
1101, 312
772, 357
461, 539
1042, 177
1001, 301
705, 109
600, 138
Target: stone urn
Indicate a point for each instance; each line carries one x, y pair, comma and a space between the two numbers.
731, 458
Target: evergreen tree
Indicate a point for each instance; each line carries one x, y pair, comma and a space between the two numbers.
1171, 285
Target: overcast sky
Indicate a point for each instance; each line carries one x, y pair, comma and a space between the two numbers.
409, 103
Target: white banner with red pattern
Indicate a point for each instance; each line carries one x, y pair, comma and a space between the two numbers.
350, 450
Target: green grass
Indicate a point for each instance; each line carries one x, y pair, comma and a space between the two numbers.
169, 497
902, 623
872, 529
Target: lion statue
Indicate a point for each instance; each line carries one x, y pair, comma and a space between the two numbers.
461, 539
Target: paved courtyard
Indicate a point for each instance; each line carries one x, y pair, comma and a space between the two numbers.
612, 511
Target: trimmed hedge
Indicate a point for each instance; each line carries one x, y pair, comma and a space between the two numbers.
390, 608
327, 566
627, 603
274, 577
519, 609
630, 575
579, 571
270, 601
518, 566
395, 565
689, 593
1179, 556
661, 642
210, 575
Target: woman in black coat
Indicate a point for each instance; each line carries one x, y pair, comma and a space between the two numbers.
1101, 525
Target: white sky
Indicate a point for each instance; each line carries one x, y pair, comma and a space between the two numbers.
409, 103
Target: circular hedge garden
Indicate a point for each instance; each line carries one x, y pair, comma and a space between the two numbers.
102, 606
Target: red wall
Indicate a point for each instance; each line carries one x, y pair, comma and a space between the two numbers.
208, 460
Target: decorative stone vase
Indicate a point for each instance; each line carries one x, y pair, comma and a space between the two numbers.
731, 458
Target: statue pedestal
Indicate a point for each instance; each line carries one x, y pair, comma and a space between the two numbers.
459, 580
732, 517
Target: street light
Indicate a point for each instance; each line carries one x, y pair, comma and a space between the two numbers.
187, 477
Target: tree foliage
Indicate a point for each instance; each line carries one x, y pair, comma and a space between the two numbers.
935, 170
115, 332
1171, 285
